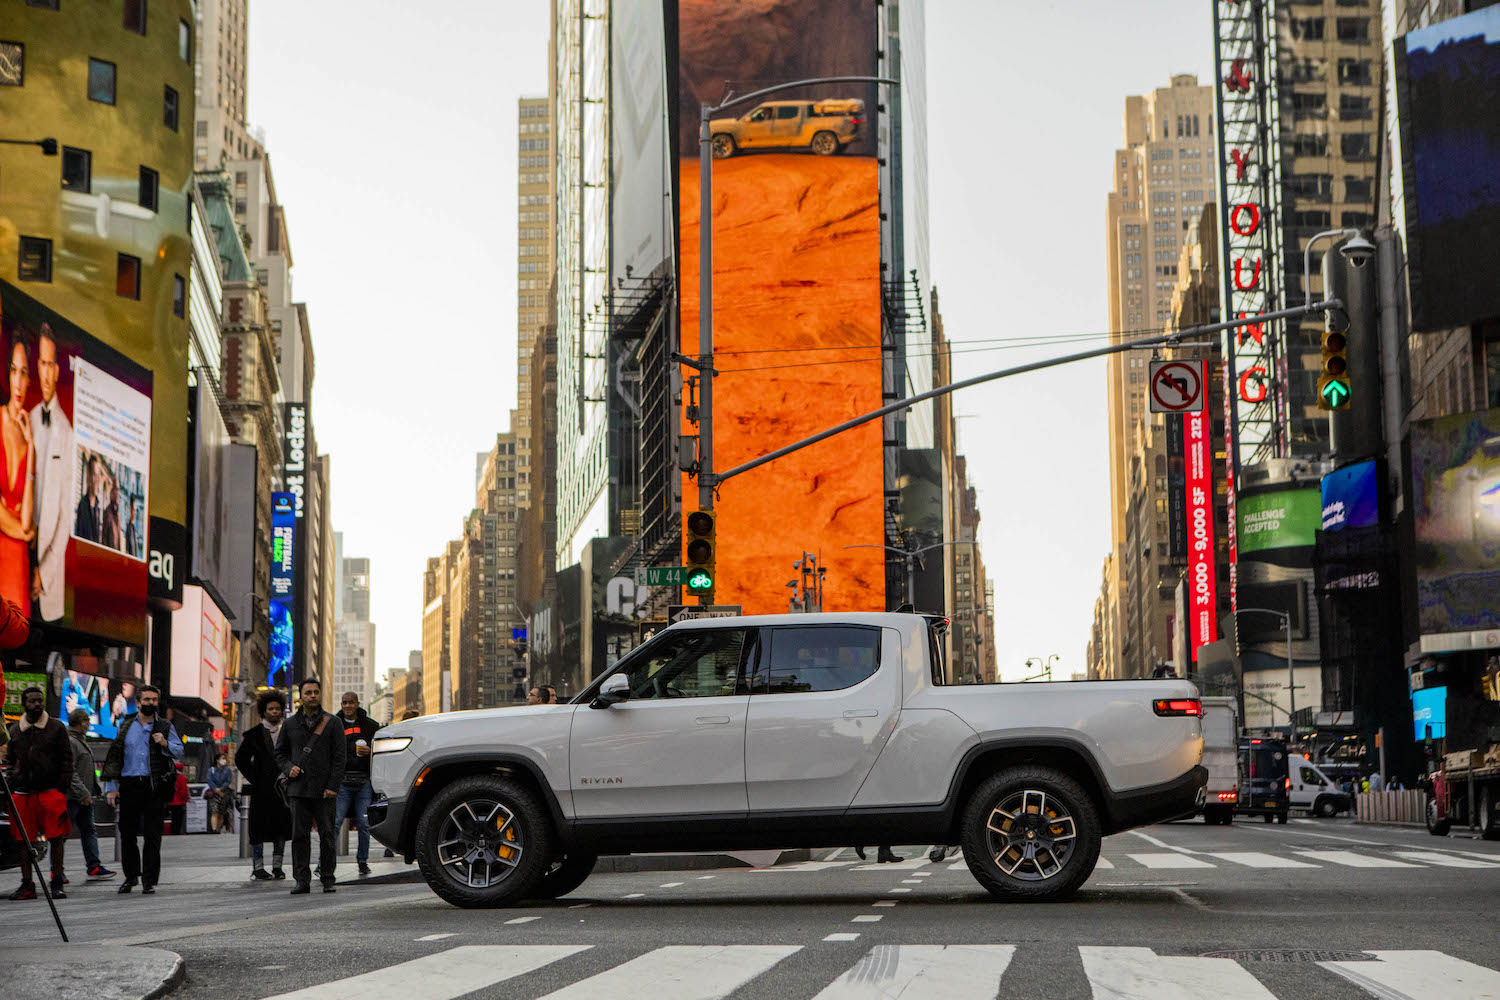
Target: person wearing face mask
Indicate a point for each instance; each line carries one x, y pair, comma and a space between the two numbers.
40, 771
221, 796
270, 820
140, 778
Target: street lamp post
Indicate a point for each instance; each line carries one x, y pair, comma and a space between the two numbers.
1291, 677
911, 562
48, 145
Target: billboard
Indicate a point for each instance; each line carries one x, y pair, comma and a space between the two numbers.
239, 574
108, 700
1429, 709
200, 647
797, 184
294, 453
1279, 519
1351, 497
213, 528
1447, 90
75, 435
1202, 575
283, 606
1456, 502
641, 201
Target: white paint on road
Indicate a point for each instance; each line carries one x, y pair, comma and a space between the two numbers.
1170, 859
522, 920
1413, 975
884, 902
842, 936
929, 971
1103, 862
911, 881
443, 976
1446, 860
676, 972
429, 937
1141, 974
866, 918
1255, 859
808, 866
670, 885
633, 895
1352, 860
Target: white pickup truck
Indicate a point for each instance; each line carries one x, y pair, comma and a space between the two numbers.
786, 731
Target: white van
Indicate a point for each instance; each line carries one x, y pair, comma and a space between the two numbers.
1221, 736
1315, 791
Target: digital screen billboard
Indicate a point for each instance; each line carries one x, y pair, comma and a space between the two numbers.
200, 648
283, 590
1448, 89
1429, 707
213, 534
796, 267
1456, 502
1280, 519
75, 438
1351, 497
1202, 576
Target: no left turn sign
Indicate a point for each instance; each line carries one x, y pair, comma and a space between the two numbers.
1176, 387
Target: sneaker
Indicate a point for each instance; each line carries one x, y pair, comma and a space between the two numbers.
364, 869
100, 872
27, 891
66, 880
328, 887
126, 886
57, 891
301, 889
148, 888
261, 875
278, 872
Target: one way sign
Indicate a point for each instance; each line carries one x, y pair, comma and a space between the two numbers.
1176, 387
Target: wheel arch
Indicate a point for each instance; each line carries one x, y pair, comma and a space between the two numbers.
1064, 755
446, 770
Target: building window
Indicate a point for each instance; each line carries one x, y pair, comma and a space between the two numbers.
101, 81
1357, 189
35, 259
1307, 28
150, 185
12, 64
184, 41
1306, 105
179, 296
169, 108
1354, 29
1353, 109
46, 4
77, 170
1355, 71
135, 16
127, 276
1310, 145
1355, 145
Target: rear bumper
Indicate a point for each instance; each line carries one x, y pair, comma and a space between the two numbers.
1179, 797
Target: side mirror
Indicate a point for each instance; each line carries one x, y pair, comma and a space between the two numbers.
614, 690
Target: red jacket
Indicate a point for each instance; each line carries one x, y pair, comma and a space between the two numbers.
180, 797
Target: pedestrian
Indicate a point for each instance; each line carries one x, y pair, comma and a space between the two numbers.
177, 808
1364, 785
220, 795
81, 795
310, 753
1377, 782
354, 791
884, 855
270, 819
40, 770
140, 778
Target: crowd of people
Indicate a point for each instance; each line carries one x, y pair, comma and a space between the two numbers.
306, 771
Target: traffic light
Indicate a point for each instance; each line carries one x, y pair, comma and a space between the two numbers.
700, 552
1333, 384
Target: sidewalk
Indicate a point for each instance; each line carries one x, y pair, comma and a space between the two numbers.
50, 972
210, 860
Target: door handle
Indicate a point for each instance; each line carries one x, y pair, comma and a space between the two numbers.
713, 720
861, 713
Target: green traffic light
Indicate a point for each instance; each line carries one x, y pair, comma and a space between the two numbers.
1335, 392
700, 580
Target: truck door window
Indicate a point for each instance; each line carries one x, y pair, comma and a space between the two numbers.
760, 115
698, 663
821, 658
1310, 777
788, 111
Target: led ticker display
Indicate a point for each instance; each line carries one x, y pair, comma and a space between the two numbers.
1202, 584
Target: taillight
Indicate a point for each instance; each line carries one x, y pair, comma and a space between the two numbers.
1229, 796
1286, 783
1177, 706
856, 121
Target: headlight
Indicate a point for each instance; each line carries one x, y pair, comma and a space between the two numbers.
390, 744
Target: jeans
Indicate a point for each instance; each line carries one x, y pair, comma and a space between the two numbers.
140, 815
306, 814
82, 818
359, 797
258, 854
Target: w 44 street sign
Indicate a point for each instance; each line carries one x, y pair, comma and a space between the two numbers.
661, 576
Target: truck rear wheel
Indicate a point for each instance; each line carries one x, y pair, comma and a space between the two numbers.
1030, 833
1436, 827
483, 841
825, 143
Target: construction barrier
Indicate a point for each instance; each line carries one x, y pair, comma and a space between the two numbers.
1409, 806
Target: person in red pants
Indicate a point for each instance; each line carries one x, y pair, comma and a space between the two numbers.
40, 770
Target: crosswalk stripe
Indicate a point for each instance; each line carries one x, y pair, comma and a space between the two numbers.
1141, 974
1170, 859
1445, 860
807, 866
1256, 859
676, 972
1407, 975
1104, 862
443, 976
939, 972
1351, 860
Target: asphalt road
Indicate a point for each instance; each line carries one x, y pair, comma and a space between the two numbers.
1315, 909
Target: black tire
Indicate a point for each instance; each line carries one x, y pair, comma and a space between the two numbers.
1489, 821
1281, 818
564, 875
824, 143
529, 824
1269, 818
1228, 818
1323, 807
1080, 858
1210, 816
1436, 827
724, 146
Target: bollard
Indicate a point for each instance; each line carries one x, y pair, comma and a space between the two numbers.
244, 817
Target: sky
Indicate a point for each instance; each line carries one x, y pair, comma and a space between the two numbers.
392, 143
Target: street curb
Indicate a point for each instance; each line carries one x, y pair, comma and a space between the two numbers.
113, 972
174, 979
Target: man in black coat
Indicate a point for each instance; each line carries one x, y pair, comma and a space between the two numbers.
270, 819
310, 753
40, 771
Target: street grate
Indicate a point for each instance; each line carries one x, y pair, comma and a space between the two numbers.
1290, 955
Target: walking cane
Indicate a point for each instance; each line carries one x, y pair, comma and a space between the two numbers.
15, 817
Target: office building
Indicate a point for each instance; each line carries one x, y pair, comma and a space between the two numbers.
220, 77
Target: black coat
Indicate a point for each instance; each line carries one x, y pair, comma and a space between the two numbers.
320, 755
41, 758
270, 819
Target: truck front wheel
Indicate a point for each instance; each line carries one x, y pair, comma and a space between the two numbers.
484, 841
1030, 833
724, 146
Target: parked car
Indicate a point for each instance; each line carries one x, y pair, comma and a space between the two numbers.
825, 127
787, 731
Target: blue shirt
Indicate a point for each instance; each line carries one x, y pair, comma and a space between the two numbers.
138, 752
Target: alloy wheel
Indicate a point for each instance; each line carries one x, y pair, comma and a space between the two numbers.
1030, 835
480, 843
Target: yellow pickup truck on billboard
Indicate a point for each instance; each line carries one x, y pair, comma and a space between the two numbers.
825, 127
